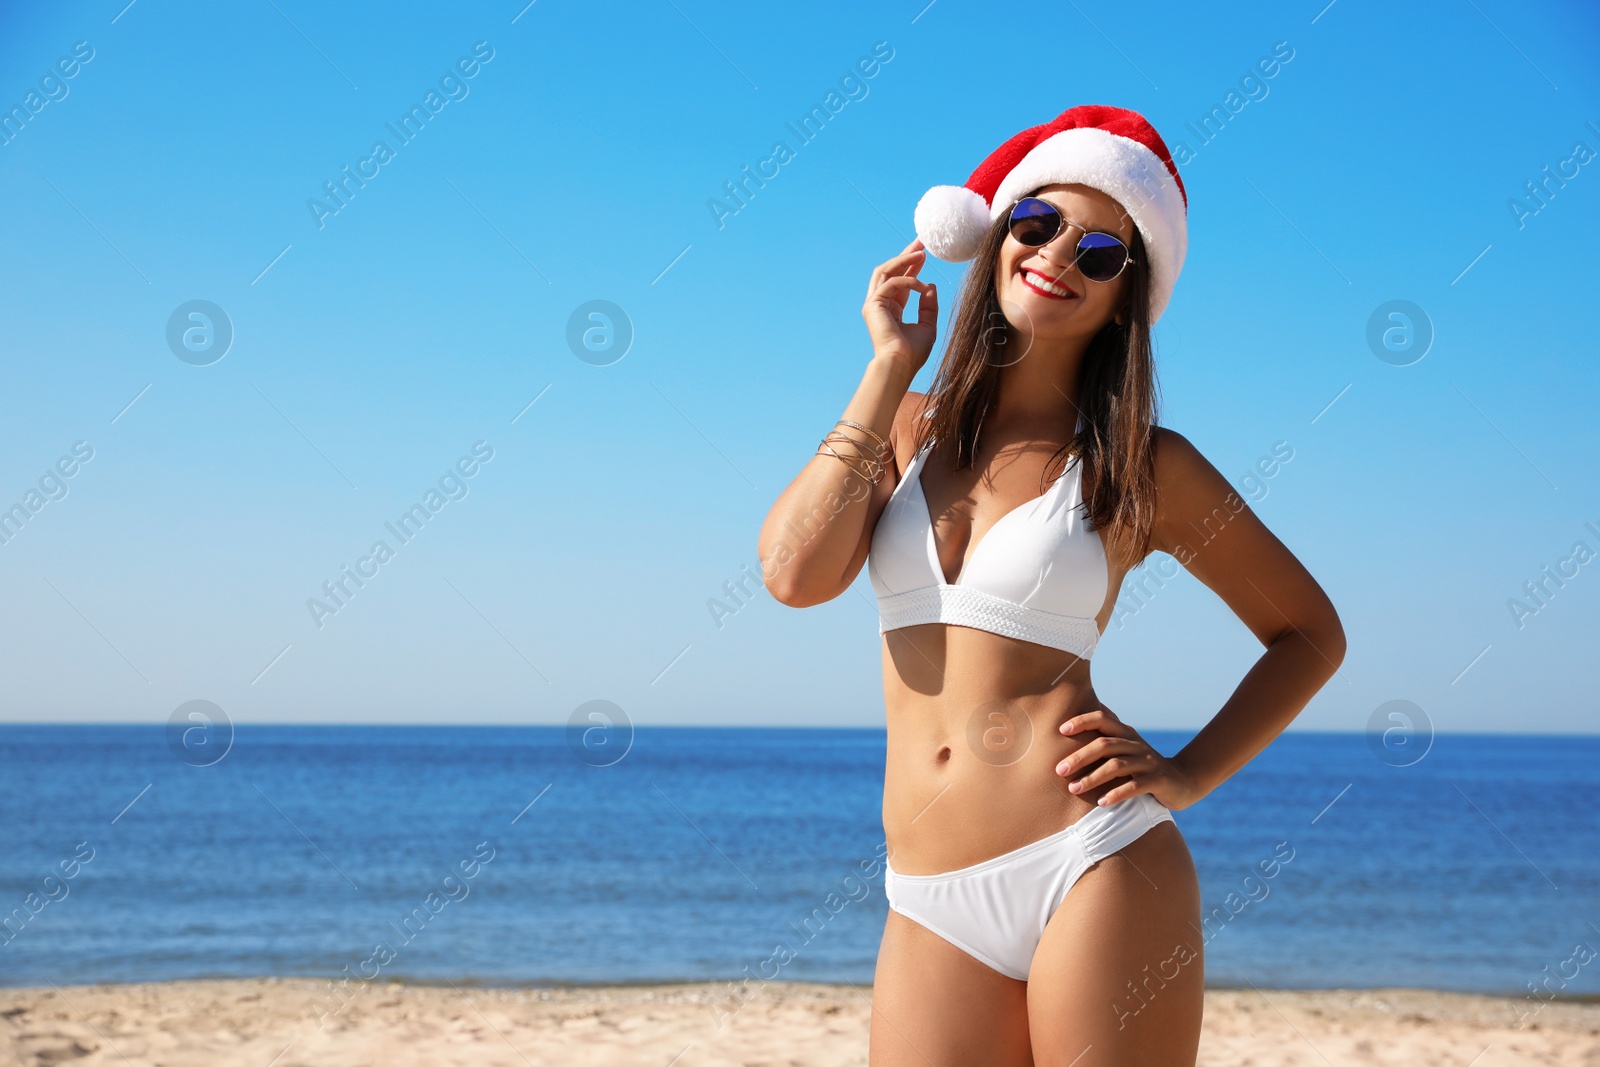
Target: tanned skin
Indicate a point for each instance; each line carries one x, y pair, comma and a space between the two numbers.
1136, 913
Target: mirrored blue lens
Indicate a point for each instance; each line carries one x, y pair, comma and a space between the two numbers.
1034, 221
1101, 257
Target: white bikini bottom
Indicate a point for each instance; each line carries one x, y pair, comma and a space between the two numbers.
996, 911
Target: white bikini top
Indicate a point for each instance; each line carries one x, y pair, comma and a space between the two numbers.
1039, 574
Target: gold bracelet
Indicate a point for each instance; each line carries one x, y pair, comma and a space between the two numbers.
874, 468
860, 446
867, 462
863, 451
849, 463
869, 431
863, 448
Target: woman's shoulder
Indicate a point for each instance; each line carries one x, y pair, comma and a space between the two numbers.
1188, 486
1174, 456
914, 407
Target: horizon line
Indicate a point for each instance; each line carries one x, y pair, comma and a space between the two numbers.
713, 726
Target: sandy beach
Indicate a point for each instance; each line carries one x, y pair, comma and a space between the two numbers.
272, 1023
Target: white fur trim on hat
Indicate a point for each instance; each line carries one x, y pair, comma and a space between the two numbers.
951, 221
1121, 168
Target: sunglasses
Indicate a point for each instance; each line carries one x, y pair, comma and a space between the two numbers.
1100, 256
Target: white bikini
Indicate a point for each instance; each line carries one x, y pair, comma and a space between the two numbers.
1039, 575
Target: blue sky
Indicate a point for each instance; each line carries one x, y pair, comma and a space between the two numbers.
374, 347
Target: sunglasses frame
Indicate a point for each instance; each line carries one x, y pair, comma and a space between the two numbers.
1078, 249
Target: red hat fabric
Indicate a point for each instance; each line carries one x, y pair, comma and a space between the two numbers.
1108, 148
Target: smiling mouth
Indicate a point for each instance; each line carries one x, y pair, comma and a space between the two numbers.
1045, 287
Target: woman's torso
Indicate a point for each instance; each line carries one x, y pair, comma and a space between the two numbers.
973, 715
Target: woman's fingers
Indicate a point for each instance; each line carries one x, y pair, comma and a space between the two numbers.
1100, 719
894, 292
1097, 750
913, 249
928, 306
907, 262
1122, 755
888, 292
1112, 769
901, 282
1131, 788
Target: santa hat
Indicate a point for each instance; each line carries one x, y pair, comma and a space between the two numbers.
1107, 148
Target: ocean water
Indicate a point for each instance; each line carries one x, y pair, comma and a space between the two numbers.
501, 856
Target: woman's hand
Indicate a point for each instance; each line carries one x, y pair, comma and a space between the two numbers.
1127, 757
906, 344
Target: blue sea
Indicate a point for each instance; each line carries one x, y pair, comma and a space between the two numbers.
509, 856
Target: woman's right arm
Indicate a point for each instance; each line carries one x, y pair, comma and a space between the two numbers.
817, 535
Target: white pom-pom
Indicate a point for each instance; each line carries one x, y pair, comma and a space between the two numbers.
951, 221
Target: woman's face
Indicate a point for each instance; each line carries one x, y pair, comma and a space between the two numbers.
1029, 282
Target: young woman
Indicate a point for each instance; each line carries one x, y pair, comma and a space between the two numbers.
1044, 907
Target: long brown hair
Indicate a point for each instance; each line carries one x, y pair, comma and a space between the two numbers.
1118, 397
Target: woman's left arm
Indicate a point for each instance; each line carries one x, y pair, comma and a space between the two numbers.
1202, 522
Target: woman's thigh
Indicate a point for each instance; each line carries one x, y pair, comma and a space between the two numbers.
1119, 977
935, 1006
